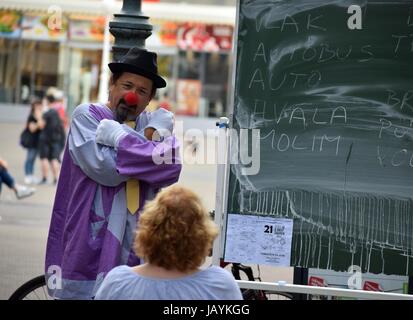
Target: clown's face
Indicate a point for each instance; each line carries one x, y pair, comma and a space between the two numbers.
129, 82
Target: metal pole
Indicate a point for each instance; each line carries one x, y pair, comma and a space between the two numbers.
130, 28
104, 73
219, 218
281, 286
19, 74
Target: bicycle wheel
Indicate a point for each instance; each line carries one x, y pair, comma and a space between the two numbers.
34, 289
278, 295
252, 294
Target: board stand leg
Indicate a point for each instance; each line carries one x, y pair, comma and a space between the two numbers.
300, 277
219, 219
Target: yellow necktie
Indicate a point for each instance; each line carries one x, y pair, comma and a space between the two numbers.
132, 187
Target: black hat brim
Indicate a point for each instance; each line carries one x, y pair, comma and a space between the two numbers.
117, 67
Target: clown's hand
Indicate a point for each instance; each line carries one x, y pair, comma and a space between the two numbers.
109, 133
163, 122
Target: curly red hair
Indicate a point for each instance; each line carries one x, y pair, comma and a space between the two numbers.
175, 231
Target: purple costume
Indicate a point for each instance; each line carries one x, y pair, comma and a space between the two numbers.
91, 231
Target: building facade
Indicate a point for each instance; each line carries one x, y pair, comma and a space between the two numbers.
61, 45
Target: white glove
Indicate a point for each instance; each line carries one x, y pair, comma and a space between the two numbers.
162, 121
109, 133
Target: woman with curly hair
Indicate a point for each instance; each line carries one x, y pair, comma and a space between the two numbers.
175, 236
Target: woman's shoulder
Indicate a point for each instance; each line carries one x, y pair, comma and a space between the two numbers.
120, 275
123, 269
115, 285
219, 283
216, 272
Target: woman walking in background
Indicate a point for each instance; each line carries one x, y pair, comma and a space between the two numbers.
51, 141
55, 98
33, 125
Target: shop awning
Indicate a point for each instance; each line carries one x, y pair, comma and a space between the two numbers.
181, 12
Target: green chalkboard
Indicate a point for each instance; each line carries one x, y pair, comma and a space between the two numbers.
331, 92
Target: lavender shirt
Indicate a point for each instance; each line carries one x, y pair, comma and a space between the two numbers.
213, 283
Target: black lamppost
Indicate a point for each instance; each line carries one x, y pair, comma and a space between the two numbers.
129, 27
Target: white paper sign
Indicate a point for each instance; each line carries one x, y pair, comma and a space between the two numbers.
258, 240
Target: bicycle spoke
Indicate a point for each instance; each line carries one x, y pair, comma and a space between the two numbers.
37, 296
45, 294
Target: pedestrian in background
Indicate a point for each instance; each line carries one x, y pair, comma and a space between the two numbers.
55, 98
51, 141
6, 178
174, 237
33, 126
165, 102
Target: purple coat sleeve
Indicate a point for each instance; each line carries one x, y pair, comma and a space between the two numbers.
96, 161
156, 163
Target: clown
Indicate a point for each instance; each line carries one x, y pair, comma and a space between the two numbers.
107, 174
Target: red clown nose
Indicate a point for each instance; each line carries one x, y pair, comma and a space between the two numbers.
131, 99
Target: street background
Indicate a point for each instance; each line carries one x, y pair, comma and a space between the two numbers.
24, 223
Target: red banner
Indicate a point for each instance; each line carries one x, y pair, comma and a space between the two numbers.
201, 37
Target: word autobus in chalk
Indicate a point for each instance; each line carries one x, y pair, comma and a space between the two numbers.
310, 51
